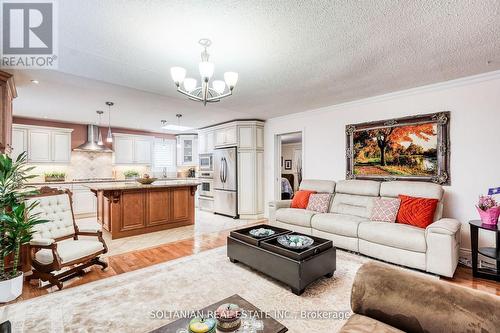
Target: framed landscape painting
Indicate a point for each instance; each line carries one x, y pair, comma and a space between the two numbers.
409, 148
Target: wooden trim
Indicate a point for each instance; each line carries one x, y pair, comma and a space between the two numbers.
233, 121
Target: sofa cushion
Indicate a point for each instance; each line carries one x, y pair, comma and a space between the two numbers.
300, 217
396, 235
339, 224
319, 202
363, 324
415, 189
358, 187
351, 204
70, 250
320, 186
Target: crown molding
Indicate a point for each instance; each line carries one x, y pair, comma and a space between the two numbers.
463, 81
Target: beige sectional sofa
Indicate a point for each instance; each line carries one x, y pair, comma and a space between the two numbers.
434, 249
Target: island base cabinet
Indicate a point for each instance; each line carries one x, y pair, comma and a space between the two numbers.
133, 212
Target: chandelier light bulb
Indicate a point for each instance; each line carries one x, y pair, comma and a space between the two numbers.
231, 78
219, 86
178, 74
206, 69
189, 84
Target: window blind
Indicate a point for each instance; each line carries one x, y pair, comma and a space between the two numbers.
164, 155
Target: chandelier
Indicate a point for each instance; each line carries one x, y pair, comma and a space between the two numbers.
204, 93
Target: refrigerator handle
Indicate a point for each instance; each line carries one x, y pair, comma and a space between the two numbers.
221, 169
225, 170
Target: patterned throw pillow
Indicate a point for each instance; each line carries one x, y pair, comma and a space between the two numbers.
319, 202
385, 210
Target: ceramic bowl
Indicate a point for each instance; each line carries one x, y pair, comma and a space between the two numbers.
146, 181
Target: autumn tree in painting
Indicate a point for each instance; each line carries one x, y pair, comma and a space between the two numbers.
383, 147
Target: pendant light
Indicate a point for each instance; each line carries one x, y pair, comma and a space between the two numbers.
109, 138
99, 136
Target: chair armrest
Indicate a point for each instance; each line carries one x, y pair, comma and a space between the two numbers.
280, 204
444, 226
42, 242
90, 228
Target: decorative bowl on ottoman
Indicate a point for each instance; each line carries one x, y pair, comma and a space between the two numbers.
228, 317
261, 232
295, 242
202, 325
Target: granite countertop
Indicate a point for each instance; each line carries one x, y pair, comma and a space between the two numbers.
135, 185
92, 181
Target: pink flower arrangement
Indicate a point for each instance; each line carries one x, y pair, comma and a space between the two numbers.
488, 209
486, 202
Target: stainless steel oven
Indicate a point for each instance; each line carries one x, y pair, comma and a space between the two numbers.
206, 162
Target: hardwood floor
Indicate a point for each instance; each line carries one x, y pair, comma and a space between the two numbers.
127, 262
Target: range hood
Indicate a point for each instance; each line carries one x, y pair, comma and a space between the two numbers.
91, 145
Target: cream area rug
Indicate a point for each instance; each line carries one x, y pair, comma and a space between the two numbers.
127, 302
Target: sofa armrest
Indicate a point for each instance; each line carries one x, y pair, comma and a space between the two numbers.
274, 206
42, 241
280, 204
443, 245
444, 226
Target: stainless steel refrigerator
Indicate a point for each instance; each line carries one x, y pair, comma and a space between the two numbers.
226, 182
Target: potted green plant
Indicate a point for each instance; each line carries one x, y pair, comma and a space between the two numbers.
131, 174
16, 221
54, 176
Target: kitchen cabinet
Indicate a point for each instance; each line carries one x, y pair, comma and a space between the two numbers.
7, 93
19, 142
225, 136
43, 144
84, 201
205, 142
132, 149
187, 149
248, 137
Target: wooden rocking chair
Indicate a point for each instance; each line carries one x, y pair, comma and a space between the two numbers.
55, 244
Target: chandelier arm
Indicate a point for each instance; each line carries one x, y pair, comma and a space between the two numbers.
220, 96
189, 95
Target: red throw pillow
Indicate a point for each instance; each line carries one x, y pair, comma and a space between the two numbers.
418, 212
301, 199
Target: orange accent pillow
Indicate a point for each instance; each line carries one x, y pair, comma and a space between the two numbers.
301, 199
418, 212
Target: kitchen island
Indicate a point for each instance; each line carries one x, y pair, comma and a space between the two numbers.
130, 208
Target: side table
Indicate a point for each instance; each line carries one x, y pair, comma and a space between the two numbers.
490, 252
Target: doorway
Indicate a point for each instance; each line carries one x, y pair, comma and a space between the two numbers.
289, 168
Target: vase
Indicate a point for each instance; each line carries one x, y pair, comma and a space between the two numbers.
489, 216
11, 289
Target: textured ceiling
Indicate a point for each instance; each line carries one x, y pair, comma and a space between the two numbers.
291, 55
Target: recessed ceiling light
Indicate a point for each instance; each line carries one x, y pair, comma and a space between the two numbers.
35, 81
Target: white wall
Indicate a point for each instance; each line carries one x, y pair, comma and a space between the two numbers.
474, 103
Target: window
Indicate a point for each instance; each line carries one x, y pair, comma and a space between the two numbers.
164, 155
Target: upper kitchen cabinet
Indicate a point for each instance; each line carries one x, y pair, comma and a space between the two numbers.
206, 141
226, 136
132, 149
7, 94
43, 144
244, 134
187, 149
